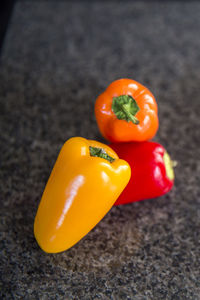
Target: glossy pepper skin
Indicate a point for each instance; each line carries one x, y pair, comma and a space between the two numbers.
151, 170
127, 111
85, 182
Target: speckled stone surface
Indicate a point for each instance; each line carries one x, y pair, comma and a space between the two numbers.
57, 57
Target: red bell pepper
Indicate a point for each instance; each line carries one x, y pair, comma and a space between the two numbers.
152, 172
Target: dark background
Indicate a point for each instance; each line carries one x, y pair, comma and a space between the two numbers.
6, 7
56, 58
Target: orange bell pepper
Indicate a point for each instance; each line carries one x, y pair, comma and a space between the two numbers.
127, 111
84, 184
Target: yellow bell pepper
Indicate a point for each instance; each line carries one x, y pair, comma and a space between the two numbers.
85, 182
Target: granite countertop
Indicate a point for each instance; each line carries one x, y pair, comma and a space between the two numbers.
56, 58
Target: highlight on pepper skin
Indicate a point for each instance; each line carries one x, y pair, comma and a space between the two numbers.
85, 182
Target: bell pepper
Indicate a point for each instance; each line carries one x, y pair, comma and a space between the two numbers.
85, 182
126, 111
152, 172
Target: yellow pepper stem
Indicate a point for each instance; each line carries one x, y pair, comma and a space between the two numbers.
100, 152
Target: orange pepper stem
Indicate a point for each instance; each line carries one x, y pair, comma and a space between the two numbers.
125, 108
100, 152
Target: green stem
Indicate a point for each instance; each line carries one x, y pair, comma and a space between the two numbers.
169, 164
100, 152
125, 108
